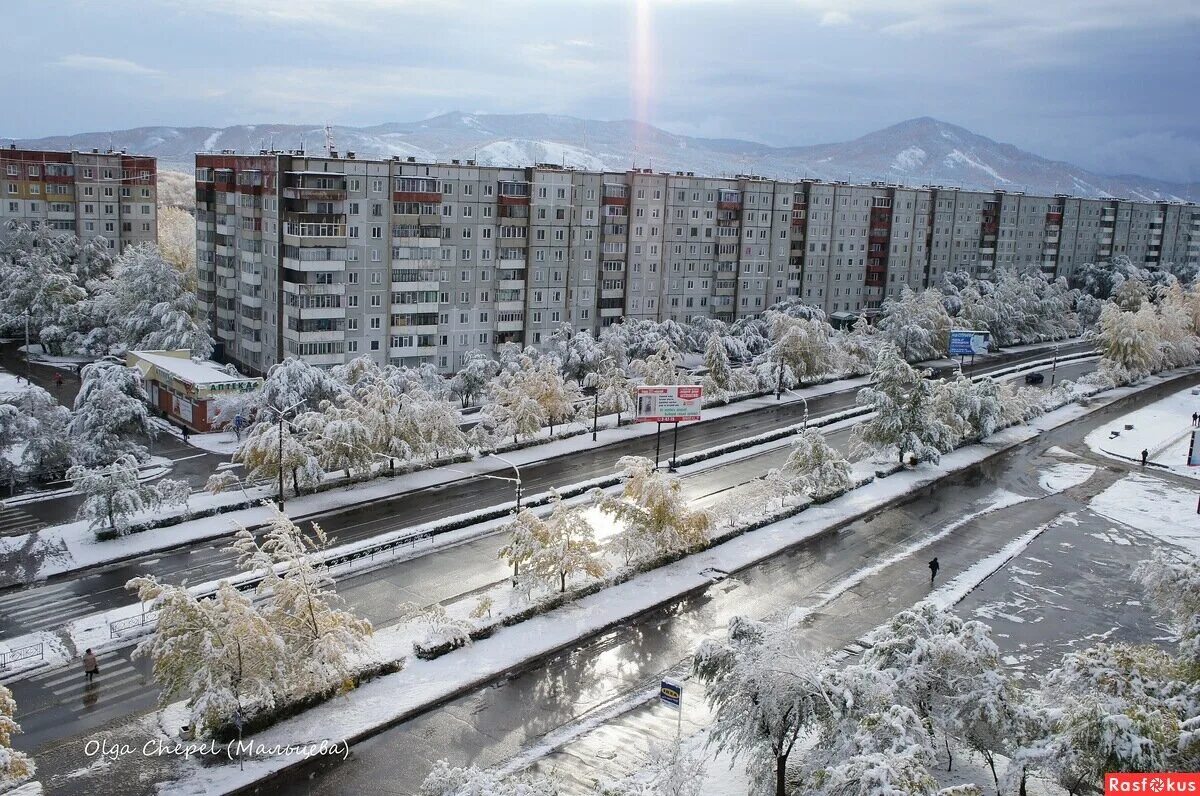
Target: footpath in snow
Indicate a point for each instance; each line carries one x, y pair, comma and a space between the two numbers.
1163, 429
422, 683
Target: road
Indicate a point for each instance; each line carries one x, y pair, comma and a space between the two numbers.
52, 603
491, 725
57, 707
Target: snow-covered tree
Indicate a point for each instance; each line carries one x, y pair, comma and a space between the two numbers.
473, 377
884, 752
565, 547
177, 242
1126, 343
148, 301
904, 419
47, 443
916, 323
558, 397
1173, 585
578, 352
767, 692
323, 641
660, 366
652, 512
949, 672
613, 388
799, 349
514, 409
172, 492
338, 435
525, 533
15, 767
970, 409
295, 385
263, 455
816, 468
112, 494
447, 780
721, 379
670, 769
14, 430
110, 415
221, 655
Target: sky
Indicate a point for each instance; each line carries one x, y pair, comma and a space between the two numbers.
1109, 85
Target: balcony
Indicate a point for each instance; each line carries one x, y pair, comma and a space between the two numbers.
314, 265
250, 301
414, 307
510, 306
511, 284
414, 328
314, 337
316, 313
510, 326
414, 285
315, 194
338, 289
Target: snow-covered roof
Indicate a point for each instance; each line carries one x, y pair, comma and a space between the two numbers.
183, 367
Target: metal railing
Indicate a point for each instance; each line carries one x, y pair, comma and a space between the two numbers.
31, 652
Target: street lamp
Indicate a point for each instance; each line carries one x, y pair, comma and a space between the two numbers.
516, 480
281, 414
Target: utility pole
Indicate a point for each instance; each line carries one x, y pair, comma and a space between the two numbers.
28, 361
281, 461
1054, 375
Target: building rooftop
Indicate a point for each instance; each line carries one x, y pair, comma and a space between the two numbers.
180, 365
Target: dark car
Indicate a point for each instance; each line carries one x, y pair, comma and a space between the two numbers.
1035, 378
935, 372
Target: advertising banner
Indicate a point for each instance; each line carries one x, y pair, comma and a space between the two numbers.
668, 403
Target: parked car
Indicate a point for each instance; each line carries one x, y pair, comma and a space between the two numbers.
1035, 378
937, 373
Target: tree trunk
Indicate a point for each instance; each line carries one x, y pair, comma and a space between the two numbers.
1022, 790
295, 482
949, 755
562, 582
991, 761
781, 775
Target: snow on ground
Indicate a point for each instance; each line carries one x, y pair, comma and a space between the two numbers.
1153, 506
10, 384
1163, 428
1060, 477
36, 354
223, 443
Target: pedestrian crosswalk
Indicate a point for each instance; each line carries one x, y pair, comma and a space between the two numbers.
14, 520
119, 679
45, 607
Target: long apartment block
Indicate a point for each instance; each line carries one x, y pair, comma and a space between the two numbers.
112, 195
333, 257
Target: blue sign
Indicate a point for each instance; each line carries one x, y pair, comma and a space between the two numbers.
964, 342
670, 693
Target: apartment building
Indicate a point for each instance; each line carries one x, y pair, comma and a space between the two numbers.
90, 194
330, 257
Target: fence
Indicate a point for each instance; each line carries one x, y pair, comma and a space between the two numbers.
31, 652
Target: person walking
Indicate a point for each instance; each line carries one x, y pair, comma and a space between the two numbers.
1194, 416
933, 569
91, 667
58, 380
1145, 455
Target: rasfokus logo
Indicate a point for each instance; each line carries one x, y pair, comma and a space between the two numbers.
1166, 783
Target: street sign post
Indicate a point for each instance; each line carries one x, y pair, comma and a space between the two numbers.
670, 693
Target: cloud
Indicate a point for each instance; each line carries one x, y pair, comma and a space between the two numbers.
99, 63
833, 19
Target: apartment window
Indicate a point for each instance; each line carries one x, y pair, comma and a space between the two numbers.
352, 346
376, 322
376, 300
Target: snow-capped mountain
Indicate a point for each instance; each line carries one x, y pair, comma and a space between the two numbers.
916, 152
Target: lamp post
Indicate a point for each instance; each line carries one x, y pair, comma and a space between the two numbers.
516, 481
281, 414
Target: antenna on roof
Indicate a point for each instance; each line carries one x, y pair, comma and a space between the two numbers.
329, 148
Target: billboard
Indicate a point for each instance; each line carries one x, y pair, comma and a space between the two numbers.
965, 342
670, 693
1194, 450
677, 403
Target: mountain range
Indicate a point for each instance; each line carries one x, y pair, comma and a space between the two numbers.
916, 152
